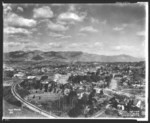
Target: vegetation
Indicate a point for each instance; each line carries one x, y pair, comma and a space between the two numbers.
22, 92
92, 77
68, 56
8, 74
38, 57
8, 96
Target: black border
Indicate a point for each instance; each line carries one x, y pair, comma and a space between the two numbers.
71, 1
62, 1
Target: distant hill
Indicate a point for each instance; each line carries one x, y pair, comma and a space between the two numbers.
68, 56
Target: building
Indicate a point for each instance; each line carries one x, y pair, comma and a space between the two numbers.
62, 79
19, 75
31, 77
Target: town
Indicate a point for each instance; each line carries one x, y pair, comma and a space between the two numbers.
83, 89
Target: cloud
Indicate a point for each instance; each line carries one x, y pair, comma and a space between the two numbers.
43, 12
55, 45
94, 20
89, 45
20, 37
123, 47
117, 47
140, 33
39, 33
13, 30
143, 44
59, 36
119, 28
98, 44
104, 22
72, 7
142, 3
55, 35
6, 8
7, 44
71, 16
14, 46
88, 29
66, 36
20, 9
81, 34
13, 19
57, 4
61, 22
123, 4
56, 26
74, 45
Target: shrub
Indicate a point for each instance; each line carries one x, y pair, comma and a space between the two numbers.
22, 92
8, 96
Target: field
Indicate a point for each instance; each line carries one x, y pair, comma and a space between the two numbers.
43, 97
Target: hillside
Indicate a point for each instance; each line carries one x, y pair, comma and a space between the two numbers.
70, 56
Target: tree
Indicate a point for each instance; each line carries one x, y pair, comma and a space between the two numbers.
44, 78
9, 74
46, 87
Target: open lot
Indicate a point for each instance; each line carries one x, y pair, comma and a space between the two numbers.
43, 97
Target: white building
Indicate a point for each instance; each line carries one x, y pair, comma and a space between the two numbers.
59, 78
31, 77
20, 74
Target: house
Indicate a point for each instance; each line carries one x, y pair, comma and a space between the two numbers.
44, 82
8, 68
19, 75
31, 77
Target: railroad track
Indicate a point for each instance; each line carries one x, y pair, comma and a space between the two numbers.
29, 105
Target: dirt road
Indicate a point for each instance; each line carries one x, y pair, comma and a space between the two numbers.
113, 84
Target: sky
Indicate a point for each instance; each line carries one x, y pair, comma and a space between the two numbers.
104, 29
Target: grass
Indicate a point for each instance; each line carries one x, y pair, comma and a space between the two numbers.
50, 102
44, 97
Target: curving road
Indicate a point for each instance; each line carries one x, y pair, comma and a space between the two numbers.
113, 84
29, 105
124, 93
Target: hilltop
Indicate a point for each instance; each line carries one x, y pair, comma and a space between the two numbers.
66, 56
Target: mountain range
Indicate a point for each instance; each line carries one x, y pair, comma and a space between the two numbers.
66, 56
